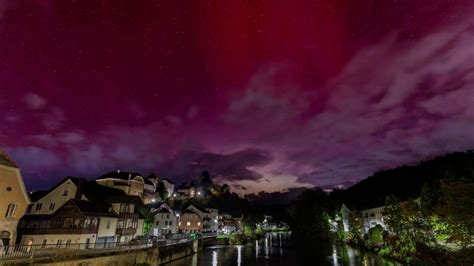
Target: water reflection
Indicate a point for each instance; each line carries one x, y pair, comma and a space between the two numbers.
281, 249
214, 258
239, 255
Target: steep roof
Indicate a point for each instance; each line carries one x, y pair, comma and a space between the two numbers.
5, 160
120, 175
35, 196
93, 208
168, 180
96, 192
201, 209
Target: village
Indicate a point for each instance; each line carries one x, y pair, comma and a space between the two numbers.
117, 209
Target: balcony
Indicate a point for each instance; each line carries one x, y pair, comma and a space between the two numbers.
57, 230
126, 231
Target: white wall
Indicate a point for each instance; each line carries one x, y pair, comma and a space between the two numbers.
103, 230
53, 239
56, 196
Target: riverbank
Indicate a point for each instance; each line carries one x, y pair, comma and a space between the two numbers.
422, 255
241, 238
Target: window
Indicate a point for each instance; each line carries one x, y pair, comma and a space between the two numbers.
134, 224
58, 244
87, 223
45, 241
39, 206
199, 223
10, 210
94, 222
51, 206
28, 209
157, 223
168, 216
108, 224
179, 224
65, 192
120, 224
68, 243
188, 223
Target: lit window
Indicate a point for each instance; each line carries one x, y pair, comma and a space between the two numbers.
188, 223
199, 223
179, 224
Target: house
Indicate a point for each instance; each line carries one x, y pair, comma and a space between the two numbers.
169, 185
14, 200
164, 221
208, 216
345, 212
75, 222
108, 214
131, 183
149, 191
213, 222
373, 217
229, 226
186, 191
189, 221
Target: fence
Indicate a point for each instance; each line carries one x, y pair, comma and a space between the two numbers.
37, 251
52, 250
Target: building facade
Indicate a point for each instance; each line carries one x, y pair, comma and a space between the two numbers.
373, 217
132, 184
189, 222
84, 210
14, 199
164, 221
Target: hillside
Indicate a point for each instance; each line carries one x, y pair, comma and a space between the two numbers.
406, 181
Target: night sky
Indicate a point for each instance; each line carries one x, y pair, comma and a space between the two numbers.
266, 95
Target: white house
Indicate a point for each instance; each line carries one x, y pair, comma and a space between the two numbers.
164, 221
373, 217
345, 212
169, 185
81, 211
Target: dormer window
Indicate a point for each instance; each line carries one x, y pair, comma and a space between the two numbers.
65, 192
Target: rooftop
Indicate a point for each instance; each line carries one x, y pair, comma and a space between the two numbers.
5, 159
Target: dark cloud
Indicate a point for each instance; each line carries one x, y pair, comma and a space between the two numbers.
224, 167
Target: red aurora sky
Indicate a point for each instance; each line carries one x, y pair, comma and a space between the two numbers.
266, 95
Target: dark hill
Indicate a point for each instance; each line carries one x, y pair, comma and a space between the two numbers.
406, 181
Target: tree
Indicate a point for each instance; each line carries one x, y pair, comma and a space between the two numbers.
356, 225
162, 191
456, 210
375, 236
310, 214
408, 226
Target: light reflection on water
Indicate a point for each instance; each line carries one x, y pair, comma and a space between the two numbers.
276, 249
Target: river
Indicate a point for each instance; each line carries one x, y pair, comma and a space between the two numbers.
281, 249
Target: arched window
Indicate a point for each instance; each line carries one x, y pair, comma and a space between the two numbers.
10, 210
